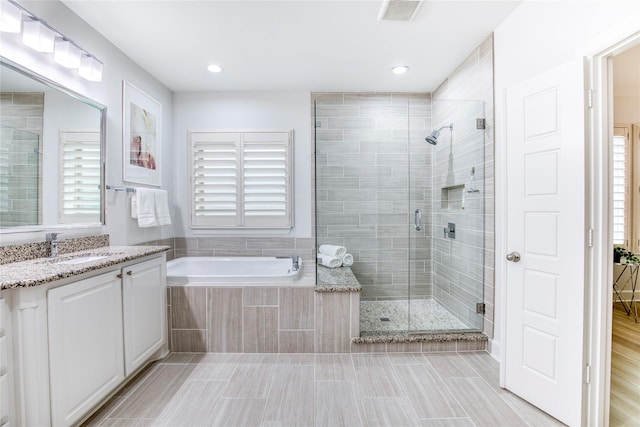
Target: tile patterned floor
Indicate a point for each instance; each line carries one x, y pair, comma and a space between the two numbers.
368, 389
424, 315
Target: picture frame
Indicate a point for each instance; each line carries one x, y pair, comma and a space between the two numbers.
141, 136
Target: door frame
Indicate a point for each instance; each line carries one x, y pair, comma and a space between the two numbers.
599, 219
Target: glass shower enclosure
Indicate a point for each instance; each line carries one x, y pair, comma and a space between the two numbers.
410, 212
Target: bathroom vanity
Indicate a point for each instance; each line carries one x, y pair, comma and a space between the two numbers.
79, 326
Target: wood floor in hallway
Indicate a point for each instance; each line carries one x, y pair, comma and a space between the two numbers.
366, 389
625, 370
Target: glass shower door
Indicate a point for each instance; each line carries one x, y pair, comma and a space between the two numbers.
446, 286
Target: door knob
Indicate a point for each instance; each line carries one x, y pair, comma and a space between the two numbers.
513, 257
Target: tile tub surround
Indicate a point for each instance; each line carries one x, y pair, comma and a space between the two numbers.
286, 320
27, 251
39, 271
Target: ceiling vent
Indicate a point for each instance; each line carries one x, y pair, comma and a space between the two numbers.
399, 10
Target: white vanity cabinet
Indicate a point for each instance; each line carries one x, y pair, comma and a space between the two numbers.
144, 305
85, 345
79, 339
5, 369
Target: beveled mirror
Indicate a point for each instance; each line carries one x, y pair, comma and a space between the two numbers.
52, 145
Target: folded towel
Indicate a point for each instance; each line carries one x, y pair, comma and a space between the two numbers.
329, 261
163, 217
347, 260
146, 207
332, 250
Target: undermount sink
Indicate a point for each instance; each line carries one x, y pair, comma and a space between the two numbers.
80, 260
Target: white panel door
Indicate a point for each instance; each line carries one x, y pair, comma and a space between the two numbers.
546, 226
144, 292
85, 345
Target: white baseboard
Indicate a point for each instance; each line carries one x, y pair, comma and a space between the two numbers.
495, 350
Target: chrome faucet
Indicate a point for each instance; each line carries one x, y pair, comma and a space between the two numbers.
53, 239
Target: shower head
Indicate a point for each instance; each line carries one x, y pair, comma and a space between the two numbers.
433, 138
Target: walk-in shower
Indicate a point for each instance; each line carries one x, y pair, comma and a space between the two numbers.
376, 178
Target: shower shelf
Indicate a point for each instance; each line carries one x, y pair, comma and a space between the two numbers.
452, 197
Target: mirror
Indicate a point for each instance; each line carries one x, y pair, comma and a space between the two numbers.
51, 154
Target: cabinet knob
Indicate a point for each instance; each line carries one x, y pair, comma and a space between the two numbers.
119, 276
129, 273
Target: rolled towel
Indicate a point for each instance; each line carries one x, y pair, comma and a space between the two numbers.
332, 250
347, 260
329, 261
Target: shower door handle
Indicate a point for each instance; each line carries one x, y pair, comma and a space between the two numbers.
417, 219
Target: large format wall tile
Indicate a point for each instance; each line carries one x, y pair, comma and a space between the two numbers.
224, 307
297, 308
260, 329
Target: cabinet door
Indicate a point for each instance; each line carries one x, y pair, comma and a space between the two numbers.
144, 304
4, 367
85, 345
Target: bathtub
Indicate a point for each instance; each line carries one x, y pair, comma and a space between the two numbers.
205, 271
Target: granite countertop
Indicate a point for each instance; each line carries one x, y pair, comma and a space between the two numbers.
339, 279
39, 271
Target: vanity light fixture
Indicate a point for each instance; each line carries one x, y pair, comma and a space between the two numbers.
10, 18
90, 68
38, 36
400, 69
67, 54
214, 68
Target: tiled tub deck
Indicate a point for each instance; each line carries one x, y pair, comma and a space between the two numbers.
289, 319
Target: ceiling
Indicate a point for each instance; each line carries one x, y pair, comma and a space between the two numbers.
292, 45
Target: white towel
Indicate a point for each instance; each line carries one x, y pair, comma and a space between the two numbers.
332, 250
145, 207
347, 260
329, 261
134, 207
163, 217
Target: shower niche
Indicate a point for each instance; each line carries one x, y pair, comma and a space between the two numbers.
379, 158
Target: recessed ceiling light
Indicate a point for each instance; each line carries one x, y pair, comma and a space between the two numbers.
400, 69
214, 68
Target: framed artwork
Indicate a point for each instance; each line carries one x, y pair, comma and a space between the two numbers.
141, 136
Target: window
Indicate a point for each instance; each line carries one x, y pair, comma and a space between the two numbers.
621, 185
79, 177
241, 179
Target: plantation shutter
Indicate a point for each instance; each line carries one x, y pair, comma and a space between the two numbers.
80, 177
241, 179
621, 185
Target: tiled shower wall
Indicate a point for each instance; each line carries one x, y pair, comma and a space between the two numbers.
370, 150
21, 128
464, 266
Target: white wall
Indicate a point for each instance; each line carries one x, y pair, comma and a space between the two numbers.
244, 110
118, 67
626, 86
536, 37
